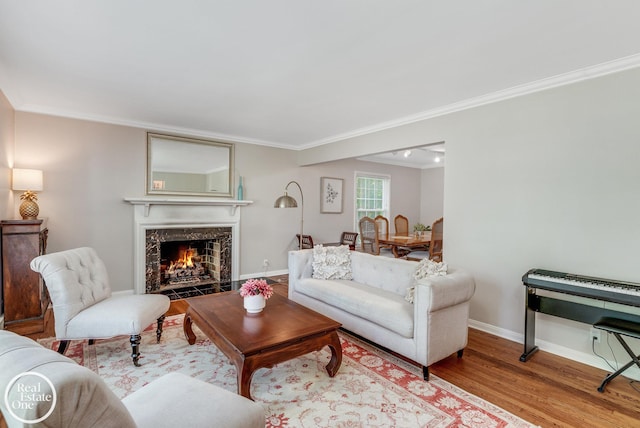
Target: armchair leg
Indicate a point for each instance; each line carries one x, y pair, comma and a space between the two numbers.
63, 346
460, 353
159, 329
135, 345
425, 373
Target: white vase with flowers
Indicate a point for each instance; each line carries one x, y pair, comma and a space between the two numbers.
255, 293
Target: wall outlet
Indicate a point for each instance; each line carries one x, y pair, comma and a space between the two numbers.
595, 334
265, 263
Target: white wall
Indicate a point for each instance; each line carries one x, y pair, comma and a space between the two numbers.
431, 195
550, 180
404, 191
547, 180
90, 167
7, 131
6, 163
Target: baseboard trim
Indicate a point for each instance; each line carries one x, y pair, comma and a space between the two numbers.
267, 273
571, 354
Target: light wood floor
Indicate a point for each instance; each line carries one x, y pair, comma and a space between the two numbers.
548, 390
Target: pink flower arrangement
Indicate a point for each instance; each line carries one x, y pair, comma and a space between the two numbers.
253, 287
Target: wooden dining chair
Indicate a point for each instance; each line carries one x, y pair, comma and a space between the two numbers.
369, 235
434, 251
401, 224
435, 246
307, 241
383, 229
349, 238
383, 224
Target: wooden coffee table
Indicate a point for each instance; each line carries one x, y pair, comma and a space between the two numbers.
282, 331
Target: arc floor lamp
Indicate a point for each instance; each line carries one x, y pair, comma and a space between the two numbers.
286, 201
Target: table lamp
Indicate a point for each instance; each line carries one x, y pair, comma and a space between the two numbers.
29, 180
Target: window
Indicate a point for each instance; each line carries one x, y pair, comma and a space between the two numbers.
372, 196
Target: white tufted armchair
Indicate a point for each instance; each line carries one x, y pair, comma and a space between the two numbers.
83, 307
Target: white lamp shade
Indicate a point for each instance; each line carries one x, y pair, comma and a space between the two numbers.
27, 179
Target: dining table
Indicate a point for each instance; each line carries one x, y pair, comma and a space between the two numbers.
400, 242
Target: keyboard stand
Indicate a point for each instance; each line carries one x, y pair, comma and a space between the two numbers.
619, 327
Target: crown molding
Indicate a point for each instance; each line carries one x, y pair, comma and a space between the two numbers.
149, 126
603, 69
592, 72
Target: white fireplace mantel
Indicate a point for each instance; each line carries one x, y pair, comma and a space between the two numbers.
148, 201
181, 212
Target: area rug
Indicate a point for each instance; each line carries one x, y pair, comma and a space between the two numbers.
371, 389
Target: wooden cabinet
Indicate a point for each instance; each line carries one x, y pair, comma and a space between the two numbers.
25, 298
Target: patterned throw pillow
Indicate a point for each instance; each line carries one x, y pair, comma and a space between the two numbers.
426, 268
331, 262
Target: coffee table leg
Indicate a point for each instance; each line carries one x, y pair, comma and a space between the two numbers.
188, 331
336, 355
245, 373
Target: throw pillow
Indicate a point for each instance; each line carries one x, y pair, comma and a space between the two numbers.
411, 291
331, 262
426, 268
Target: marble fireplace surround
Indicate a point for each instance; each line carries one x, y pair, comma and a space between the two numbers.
152, 213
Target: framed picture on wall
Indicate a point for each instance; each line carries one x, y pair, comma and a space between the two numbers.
331, 195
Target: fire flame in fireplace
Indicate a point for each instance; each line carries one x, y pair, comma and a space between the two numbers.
185, 259
188, 263
187, 267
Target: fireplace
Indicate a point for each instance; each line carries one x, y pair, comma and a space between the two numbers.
189, 262
185, 257
166, 226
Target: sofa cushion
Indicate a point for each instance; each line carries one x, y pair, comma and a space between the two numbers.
127, 314
177, 400
385, 308
331, 262
387, 273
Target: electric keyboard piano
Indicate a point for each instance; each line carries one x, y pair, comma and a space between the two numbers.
622, 292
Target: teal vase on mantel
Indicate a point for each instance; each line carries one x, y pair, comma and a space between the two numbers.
240, 190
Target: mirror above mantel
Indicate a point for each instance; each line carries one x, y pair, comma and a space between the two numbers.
183, 166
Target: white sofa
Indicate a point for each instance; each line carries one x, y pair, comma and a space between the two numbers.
373, 305
84, 400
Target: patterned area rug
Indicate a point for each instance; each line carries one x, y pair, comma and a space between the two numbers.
371, 389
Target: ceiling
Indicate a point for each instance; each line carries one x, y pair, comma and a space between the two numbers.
425, 157
298, 74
